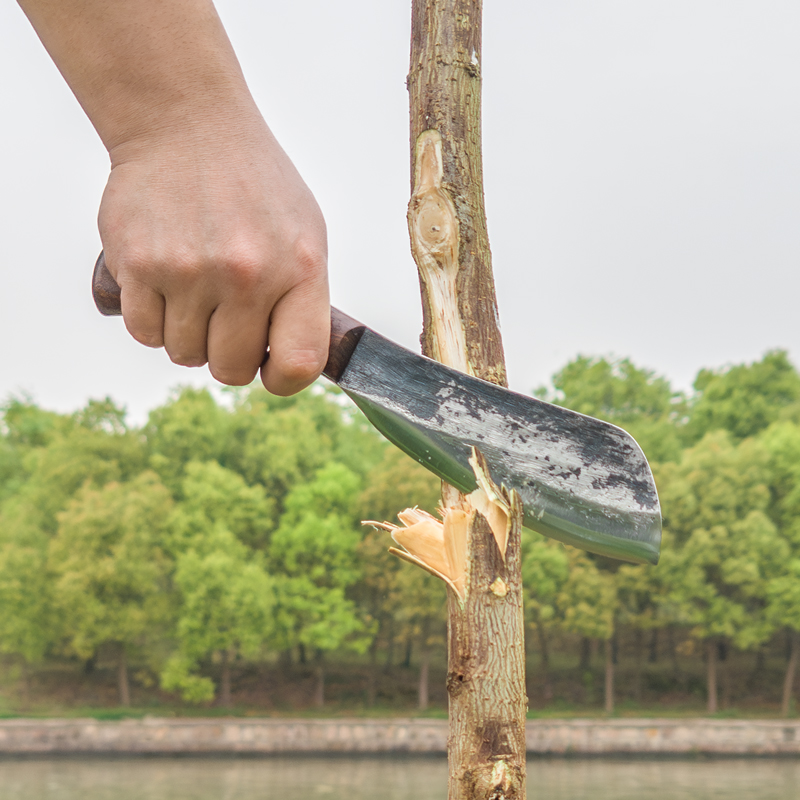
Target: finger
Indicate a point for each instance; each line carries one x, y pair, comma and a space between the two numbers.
299, 337
186, 331
143, 313
237, 341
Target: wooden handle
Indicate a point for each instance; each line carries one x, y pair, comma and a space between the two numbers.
345, 331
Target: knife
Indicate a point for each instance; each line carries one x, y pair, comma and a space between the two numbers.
582, 481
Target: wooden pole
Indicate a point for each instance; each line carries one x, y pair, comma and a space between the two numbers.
449, 241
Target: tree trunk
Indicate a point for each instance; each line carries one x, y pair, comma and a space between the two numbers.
424, 679
711, 656
652, 656
319, 690
585, 661
724, 674
225, 681
449, 241
26, 684
639, 678
486, 672
791, 671
609, 687
390, 643
544, 646
123, 685
409, 650
372, 678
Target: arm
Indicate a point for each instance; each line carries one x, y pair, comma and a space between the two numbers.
215, 240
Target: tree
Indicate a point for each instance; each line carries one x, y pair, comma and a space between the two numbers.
782, 442
217, 534
715, 505
783, 593
450, 245
589, 603
745, 399
313, 558
190, 427
210, 496
545, 571
110, 569
225, 610
385, 586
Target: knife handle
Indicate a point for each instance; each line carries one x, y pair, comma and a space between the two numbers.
345, 331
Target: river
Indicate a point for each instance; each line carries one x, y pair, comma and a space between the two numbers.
387, 779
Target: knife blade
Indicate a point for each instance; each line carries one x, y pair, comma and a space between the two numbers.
582, 481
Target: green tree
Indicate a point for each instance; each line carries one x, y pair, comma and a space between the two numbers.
782, 442
588, 602
211, 495
715, 504
313, 558
545, 571
396, 483
281, 442
110, 570
783, 611
192, 426
224, 611
746, 398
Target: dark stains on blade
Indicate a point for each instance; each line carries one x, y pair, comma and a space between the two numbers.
582, 481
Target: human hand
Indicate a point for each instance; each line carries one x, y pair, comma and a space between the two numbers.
219, 249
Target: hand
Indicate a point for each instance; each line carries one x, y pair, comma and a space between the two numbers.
219, 249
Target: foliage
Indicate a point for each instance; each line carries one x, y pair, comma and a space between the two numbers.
746, 398
109, 569
227, 531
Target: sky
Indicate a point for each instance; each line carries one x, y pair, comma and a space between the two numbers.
642, 177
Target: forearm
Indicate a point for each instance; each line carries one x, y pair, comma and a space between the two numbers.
142, 68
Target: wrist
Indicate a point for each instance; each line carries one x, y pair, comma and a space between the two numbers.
188, 125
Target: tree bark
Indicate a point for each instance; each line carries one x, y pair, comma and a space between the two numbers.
711, 665
447, 220
123, 684
609, 687
791, 671
449, 241
486, 672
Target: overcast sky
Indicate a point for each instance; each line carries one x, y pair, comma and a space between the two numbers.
642, 170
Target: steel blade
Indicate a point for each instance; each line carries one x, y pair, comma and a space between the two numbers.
582, 481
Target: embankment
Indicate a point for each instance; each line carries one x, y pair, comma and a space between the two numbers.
413, 736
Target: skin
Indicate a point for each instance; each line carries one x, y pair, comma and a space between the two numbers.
215, 240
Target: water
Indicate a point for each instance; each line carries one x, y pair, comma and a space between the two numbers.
387, 779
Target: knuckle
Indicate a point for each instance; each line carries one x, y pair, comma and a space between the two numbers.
311, 258
136, 264
244, 267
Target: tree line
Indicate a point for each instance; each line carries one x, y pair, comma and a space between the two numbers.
224, 532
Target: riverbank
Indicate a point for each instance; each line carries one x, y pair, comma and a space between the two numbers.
156, 736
